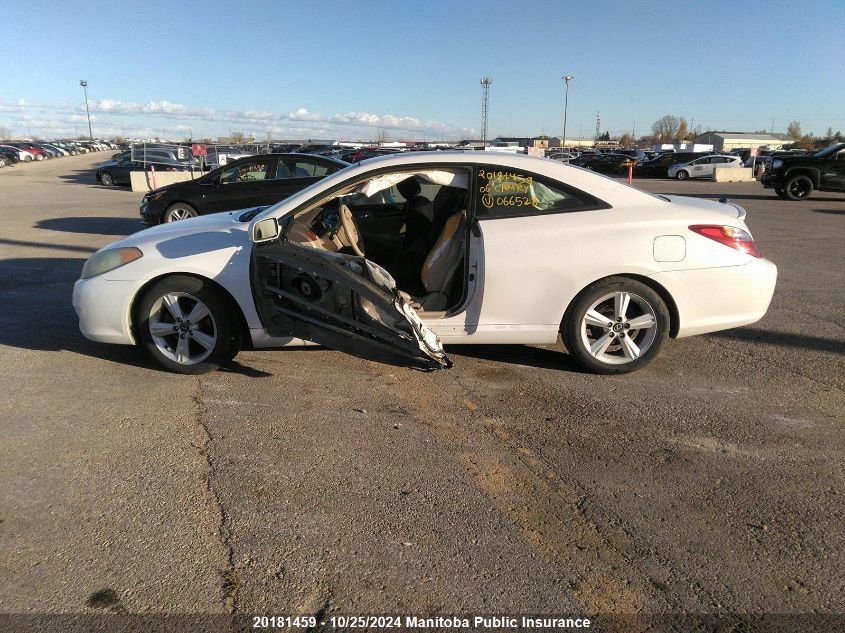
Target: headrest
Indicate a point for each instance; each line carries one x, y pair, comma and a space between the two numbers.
409, 188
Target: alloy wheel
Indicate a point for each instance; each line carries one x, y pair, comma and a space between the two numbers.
619, 327
183, 328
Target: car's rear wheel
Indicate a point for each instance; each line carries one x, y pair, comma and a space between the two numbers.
682, 174
615, 326
106, 179
798, 188
187, 325
179, 211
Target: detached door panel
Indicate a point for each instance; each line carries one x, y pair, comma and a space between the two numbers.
339, 301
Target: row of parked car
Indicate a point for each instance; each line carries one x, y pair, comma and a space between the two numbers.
13, 152
669, 164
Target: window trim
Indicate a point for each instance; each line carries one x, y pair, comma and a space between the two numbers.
595, 204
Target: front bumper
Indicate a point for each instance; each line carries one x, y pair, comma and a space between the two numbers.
150, 213
103, 309
771, 180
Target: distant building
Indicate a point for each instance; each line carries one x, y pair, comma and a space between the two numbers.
555, 141
727, 141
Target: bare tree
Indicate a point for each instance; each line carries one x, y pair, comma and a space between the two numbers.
666, 128
237, 137
626, 140
4, 132
794, 130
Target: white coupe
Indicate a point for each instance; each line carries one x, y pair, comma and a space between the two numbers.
390, 257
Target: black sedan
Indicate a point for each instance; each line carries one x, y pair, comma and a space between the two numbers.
604, 163
247, 182
116, 172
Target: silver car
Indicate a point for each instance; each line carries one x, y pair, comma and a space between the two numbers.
703, 167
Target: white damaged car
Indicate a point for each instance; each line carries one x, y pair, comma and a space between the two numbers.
395, 256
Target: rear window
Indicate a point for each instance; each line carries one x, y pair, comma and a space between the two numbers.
506, 193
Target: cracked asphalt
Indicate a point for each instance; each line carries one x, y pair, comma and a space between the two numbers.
308, 481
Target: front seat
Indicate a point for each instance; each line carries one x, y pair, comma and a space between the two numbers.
439, 268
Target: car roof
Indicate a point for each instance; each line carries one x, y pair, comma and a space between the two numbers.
607, 189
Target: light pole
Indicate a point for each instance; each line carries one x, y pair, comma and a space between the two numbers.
567, 79
84, 85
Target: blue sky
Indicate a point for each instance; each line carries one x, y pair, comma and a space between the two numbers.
411, 70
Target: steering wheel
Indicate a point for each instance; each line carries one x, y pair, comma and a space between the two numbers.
350, 229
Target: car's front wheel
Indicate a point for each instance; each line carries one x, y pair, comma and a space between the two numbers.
798, 188
615, 326
781, 193
106, 179
179, 211
187, 325
682, 175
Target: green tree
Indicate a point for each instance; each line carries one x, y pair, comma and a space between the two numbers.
829, 133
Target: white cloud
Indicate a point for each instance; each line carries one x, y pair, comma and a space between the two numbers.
297, 123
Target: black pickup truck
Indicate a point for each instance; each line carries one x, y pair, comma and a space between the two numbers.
795, 177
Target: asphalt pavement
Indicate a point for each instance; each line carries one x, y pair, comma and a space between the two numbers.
308, 481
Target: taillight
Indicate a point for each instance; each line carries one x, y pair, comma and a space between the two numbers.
729, 236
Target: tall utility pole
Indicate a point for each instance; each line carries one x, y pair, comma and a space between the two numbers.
485, 107
598, 125
84, 84
567, 79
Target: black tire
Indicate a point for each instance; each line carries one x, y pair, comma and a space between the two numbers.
221, 317
174, 211
614, 359
781, 193
648, 172
682, 174
798, 188
106, 179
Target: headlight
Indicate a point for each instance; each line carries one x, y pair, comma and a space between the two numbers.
777, 164
104, 261
154, 196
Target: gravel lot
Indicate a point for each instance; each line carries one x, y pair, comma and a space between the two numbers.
310, 481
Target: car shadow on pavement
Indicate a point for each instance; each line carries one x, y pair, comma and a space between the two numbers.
92, 225
784, 339
831, 211
36, 295
541, 357
85, 177
38, 315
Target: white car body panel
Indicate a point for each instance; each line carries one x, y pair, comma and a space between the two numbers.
526, 270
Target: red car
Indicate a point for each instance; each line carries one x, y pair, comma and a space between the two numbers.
39, 153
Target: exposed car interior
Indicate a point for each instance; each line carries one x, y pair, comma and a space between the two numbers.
411, 223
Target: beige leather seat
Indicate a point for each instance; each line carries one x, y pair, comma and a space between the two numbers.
439, 268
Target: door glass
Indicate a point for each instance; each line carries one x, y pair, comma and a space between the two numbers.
245, 172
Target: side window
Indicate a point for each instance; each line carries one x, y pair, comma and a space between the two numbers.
245, 172
505, 193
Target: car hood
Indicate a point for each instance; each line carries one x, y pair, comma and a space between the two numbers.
108, 163
730, 209
224, 224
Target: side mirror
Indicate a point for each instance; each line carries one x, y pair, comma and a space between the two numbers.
265, 230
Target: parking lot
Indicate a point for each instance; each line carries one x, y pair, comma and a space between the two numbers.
309, 481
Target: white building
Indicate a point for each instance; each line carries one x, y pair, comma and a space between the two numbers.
727, 141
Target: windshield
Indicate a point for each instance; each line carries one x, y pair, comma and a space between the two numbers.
829, 150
